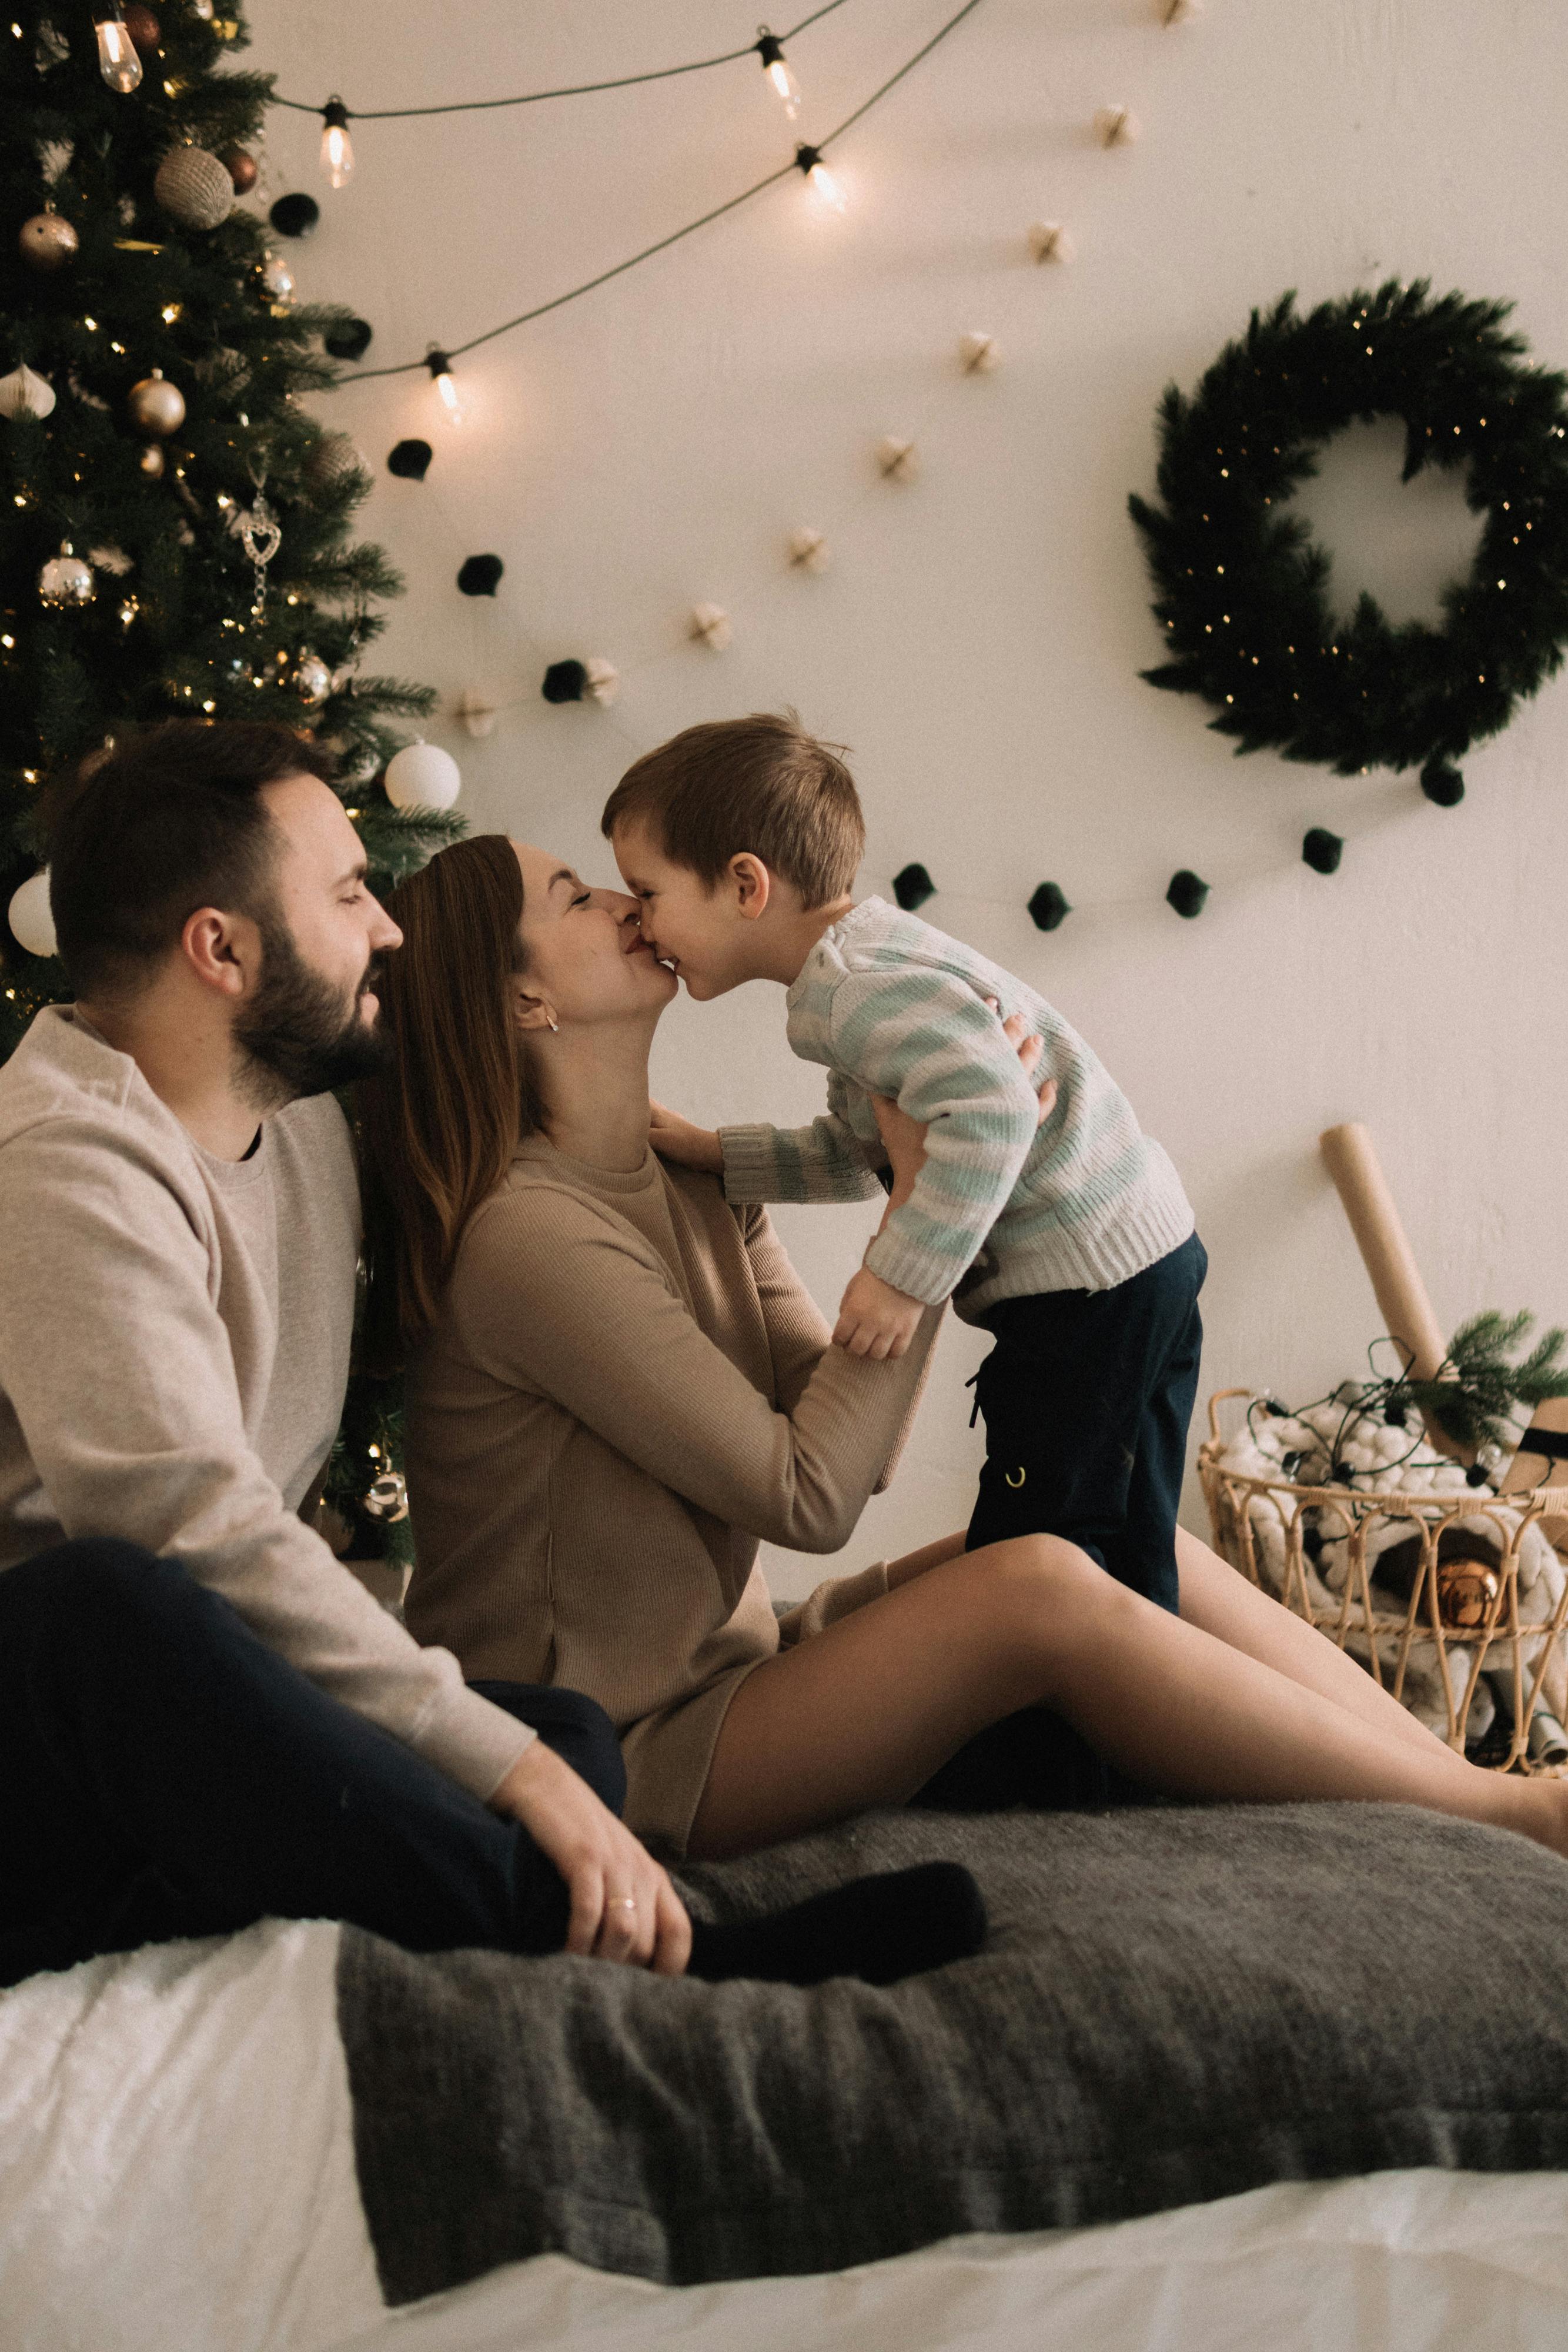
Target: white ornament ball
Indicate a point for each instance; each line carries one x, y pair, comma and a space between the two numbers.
22, 393
65, 578
422, 775
195, 186
32, 925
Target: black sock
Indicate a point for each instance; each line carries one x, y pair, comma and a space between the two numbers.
895, 1925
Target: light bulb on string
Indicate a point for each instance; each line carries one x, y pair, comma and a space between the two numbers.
336, 148
776, 65
445, 383
819, 180
117, 59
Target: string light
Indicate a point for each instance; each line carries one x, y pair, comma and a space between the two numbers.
445, 383
776, 65
819, 180
117, 59
336, 148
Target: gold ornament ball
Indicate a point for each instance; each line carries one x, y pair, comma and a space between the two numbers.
46, 241
156, 406
195, 186
151, 459
1467, 1592
65, 578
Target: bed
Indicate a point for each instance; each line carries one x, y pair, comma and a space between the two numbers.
1295, 2076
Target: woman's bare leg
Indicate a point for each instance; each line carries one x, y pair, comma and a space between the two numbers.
863, 1712
1218, 1601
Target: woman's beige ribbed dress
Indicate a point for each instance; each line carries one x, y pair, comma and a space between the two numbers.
626, 1390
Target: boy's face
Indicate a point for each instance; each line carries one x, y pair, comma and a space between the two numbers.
694, 927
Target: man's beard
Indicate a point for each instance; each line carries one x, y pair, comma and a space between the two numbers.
299, 1034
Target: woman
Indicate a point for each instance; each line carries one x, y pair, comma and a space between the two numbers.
617, 1387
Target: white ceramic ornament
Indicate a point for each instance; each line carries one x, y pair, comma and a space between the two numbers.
65, 578
22, 393
32, 925
978, 352
603, 681
195, 186
897, 459
808, 549
712, 624
422, 775
1049, 241
1117, 126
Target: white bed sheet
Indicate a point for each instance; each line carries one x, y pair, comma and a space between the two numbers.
176, 2174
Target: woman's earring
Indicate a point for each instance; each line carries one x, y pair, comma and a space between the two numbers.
554, 1024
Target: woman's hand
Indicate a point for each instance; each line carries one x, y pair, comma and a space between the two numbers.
623, 1904
903, 1138
677, 1139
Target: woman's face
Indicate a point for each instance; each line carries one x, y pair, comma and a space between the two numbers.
586, 958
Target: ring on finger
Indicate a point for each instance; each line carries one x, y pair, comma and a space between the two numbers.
620, 1903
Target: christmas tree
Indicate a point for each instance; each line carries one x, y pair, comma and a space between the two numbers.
173, 523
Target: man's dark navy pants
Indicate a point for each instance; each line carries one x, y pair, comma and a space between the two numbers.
163, 1773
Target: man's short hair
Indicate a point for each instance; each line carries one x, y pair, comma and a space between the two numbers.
167, 821
760, 785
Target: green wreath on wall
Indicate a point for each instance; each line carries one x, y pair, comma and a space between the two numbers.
1241, 591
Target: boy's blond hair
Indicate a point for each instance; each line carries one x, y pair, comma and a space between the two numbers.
760, 785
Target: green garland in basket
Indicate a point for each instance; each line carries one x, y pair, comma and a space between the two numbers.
1241, 592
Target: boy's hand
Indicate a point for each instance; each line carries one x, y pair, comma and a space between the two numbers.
875, 1320
677, 1139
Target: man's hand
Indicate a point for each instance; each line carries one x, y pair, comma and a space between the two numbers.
875, 1320
602, 1865
677, 1139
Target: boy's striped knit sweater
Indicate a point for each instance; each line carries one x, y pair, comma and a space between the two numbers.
1002, 1206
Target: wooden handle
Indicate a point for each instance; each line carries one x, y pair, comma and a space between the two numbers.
1387, 1254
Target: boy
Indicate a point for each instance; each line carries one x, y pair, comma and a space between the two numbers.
1070, 1240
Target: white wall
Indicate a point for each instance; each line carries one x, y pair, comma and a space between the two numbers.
979, 639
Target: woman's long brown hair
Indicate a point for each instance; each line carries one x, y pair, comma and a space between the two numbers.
437, 1133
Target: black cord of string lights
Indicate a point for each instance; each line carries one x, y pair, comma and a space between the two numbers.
618, 269
572, 89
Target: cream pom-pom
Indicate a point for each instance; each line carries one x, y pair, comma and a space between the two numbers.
712, 624
1117, 126
603, 681
978, 352
1049, 241
1179, 12
477, 712
808, 549
897, 460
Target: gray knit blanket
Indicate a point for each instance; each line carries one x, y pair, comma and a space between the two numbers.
1176, 2004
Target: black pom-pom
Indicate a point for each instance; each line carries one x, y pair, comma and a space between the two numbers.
480, 575
912, 888
1442, 783
1290, 1466
1343, 1473
1394, 1416
294, 215
350, 341
411, 459
1312, 1542
1187, 893
1322, 850
1275, 1409
1478, 1474
565, 681
1048, 906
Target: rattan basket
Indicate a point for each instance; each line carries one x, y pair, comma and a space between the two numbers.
1531, 1651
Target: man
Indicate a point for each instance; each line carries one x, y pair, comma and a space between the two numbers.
180, 1228
203, 1716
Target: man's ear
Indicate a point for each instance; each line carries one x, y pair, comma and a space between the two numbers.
752, 884
223, 951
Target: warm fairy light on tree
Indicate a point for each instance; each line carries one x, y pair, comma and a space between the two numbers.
117, 59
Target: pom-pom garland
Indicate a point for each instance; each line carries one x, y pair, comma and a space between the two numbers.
897, 460
1048, 908
1117, 126
809, 550
712, 626
565, 681
480, 575
350, 341
978, 352
294, 215
1322, 850
1049, 241
411, 459
912, 888
1186, 893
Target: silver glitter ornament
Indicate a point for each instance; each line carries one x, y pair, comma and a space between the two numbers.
194, 187
156, 406
276, 277
312, 678
65, 578
388, 1497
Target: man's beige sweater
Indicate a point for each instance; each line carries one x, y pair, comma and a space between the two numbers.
626, 1387
174, 1338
